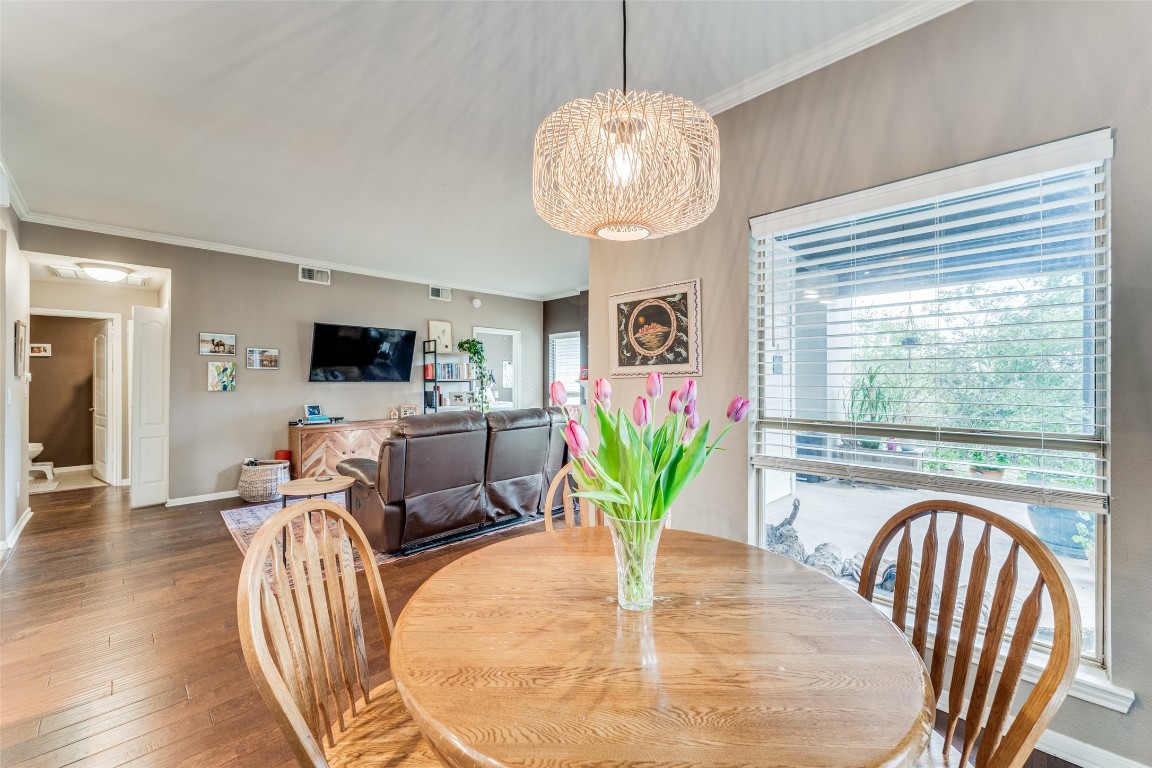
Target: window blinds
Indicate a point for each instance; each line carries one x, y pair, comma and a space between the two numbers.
957, 342
564, 362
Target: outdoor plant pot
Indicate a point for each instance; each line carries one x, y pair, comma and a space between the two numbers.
1055, 526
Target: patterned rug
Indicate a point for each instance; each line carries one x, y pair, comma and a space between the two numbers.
245, 521
42, 486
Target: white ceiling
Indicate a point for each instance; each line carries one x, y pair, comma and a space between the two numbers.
40, 270
390, 138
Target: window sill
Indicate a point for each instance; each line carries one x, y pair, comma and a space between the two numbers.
1091, 685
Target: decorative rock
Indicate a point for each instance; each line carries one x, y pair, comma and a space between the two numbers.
826, 559
783, 539
852, 567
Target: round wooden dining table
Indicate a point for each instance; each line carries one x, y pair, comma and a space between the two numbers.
517, 655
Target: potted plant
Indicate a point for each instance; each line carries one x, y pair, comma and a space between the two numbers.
989, 465
871, 400
1059, 527
475, 350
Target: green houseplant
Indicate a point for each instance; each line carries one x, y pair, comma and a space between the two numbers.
989, 464
872, 400
475, 350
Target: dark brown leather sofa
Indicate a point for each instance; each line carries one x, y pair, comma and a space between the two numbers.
447, 475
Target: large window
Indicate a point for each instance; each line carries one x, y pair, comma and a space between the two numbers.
943, 336
564, 363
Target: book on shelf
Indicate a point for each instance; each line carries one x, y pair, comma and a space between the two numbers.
449, 371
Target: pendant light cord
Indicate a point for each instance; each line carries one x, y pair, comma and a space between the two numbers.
624, 55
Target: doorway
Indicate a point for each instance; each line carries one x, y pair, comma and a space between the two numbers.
502, 354
75, 401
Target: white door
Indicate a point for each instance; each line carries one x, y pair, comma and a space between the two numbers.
148, 406
102, 377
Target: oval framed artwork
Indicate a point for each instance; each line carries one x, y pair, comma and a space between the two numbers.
656, 329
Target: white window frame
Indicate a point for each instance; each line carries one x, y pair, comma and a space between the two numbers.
575, 395
1093, 683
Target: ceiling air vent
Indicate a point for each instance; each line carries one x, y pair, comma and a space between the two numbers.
315, 275
67, 272
137, 280
440, 294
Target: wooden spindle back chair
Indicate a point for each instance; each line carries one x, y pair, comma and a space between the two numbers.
302, 632
562, 484
1007, 741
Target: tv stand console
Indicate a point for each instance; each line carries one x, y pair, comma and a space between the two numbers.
318, 448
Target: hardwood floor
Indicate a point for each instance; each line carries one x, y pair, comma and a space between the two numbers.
118, 640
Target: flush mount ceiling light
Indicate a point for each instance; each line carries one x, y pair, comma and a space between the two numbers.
105, 273
626, 165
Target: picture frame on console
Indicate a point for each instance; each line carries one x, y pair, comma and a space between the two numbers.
656, 329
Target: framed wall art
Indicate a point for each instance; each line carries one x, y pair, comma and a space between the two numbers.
440, 331
263, 359
217, 343
20, 349
656, 329
39, 350
222, 377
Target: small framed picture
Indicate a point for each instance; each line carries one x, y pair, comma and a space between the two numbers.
217, 343
313, 411
39, 350
262, 359
440, 331
222, 377
409, 409
460, 398
20, 350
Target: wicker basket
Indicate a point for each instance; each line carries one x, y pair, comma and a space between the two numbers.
260, 483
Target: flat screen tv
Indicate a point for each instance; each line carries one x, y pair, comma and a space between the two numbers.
357, 353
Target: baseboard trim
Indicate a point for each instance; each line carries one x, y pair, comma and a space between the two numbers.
10, 541
77, 468
182, 500
1067, 748
1082, 754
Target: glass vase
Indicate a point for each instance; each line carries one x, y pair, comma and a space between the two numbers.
635, 543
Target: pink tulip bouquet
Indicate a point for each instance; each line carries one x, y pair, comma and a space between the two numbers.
639, 469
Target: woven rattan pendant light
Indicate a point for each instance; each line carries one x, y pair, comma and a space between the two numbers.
626, 165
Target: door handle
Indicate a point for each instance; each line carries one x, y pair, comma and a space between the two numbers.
91, 410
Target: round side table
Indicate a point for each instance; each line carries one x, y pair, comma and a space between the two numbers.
322, 485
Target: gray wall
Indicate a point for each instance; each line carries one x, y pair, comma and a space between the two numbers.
264, 304
985, 79
566, 315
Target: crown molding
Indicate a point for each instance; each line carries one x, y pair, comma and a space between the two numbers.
206, 245
564, 294
14, 195
854, 40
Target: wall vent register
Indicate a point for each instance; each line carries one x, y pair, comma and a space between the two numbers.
440, 294
315, 275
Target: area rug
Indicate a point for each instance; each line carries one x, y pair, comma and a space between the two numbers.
42, 486
245, 521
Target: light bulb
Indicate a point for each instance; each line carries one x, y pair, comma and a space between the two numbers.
624, 165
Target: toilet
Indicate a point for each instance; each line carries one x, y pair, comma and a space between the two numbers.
44, 467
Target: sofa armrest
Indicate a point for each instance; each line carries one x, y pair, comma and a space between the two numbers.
390, 470
363, 470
